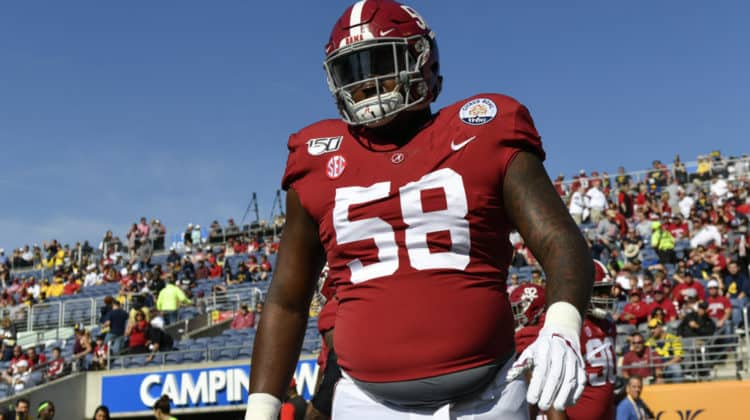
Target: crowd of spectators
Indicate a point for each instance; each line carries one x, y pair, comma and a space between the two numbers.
676, 244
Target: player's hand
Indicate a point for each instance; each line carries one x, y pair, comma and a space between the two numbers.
555, 360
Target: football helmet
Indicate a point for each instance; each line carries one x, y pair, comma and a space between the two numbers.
381, 59
527, 302
602, 303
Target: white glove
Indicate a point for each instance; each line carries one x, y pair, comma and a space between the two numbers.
558, 375
262, 406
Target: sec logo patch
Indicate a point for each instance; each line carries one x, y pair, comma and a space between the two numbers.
335, 166
478, 111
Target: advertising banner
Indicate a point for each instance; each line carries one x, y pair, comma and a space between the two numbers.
698, 401
215, 386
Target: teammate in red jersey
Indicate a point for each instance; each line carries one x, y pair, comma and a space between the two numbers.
597, 344
412, 211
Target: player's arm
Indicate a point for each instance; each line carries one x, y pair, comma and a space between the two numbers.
541, 218
532, 205
282, 326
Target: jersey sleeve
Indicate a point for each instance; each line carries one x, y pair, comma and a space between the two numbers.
295, 167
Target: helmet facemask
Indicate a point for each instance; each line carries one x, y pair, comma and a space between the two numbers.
602, 306
386, 70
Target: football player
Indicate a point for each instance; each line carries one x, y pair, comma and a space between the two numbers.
597, 344
412, 210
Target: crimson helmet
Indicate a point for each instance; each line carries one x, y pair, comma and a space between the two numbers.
602, 303
385, 51
527, 302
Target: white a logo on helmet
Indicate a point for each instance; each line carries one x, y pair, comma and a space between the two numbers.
335, 166
317, 147
478, 111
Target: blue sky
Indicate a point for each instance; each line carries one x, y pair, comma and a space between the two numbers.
181, 109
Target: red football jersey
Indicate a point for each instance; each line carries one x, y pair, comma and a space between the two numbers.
598, 347
416, 237
597, 344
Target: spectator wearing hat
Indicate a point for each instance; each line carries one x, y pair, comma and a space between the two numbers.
687, 287
719, 309
668, 347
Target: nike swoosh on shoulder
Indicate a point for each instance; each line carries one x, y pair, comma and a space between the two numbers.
458, 146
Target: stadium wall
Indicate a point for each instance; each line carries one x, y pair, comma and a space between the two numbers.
69, 395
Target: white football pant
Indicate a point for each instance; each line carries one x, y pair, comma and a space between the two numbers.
500, 400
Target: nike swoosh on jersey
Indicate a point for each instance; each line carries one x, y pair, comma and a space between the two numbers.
458, 146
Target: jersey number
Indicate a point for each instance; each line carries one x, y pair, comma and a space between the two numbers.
419, 224
600, 356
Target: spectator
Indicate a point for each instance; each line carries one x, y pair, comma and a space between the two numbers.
577, 205
258, 312
663, 242
265, 268
187, 237
719, 309
635, 311
72, 286
22, 378
669, 349
697, 323
202, 271
737, 289
57, 287
21, 410
35, 360
632, 406
687, 288
158, 339
101, 352
215, 232
294, 406
664, 303
83, 348
136, 333
8, 337
101, 413
196, 235
640, 360
116, 321
243, 319
56, 365
704, 234
46, 410
596, 203
162, 408
169, 301
232, 229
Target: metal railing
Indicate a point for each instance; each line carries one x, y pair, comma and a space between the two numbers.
703, 359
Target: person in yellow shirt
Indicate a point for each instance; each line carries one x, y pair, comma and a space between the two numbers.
169, 301
56, 288
663, 242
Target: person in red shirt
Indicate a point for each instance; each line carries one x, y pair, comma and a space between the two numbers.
666, 304
137, 332
640, 359
719, 308
35, 360
294, 406
71, 287
635, 312
56, 365
678, 228
245, 318
265, 267
215, 271
680, 293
